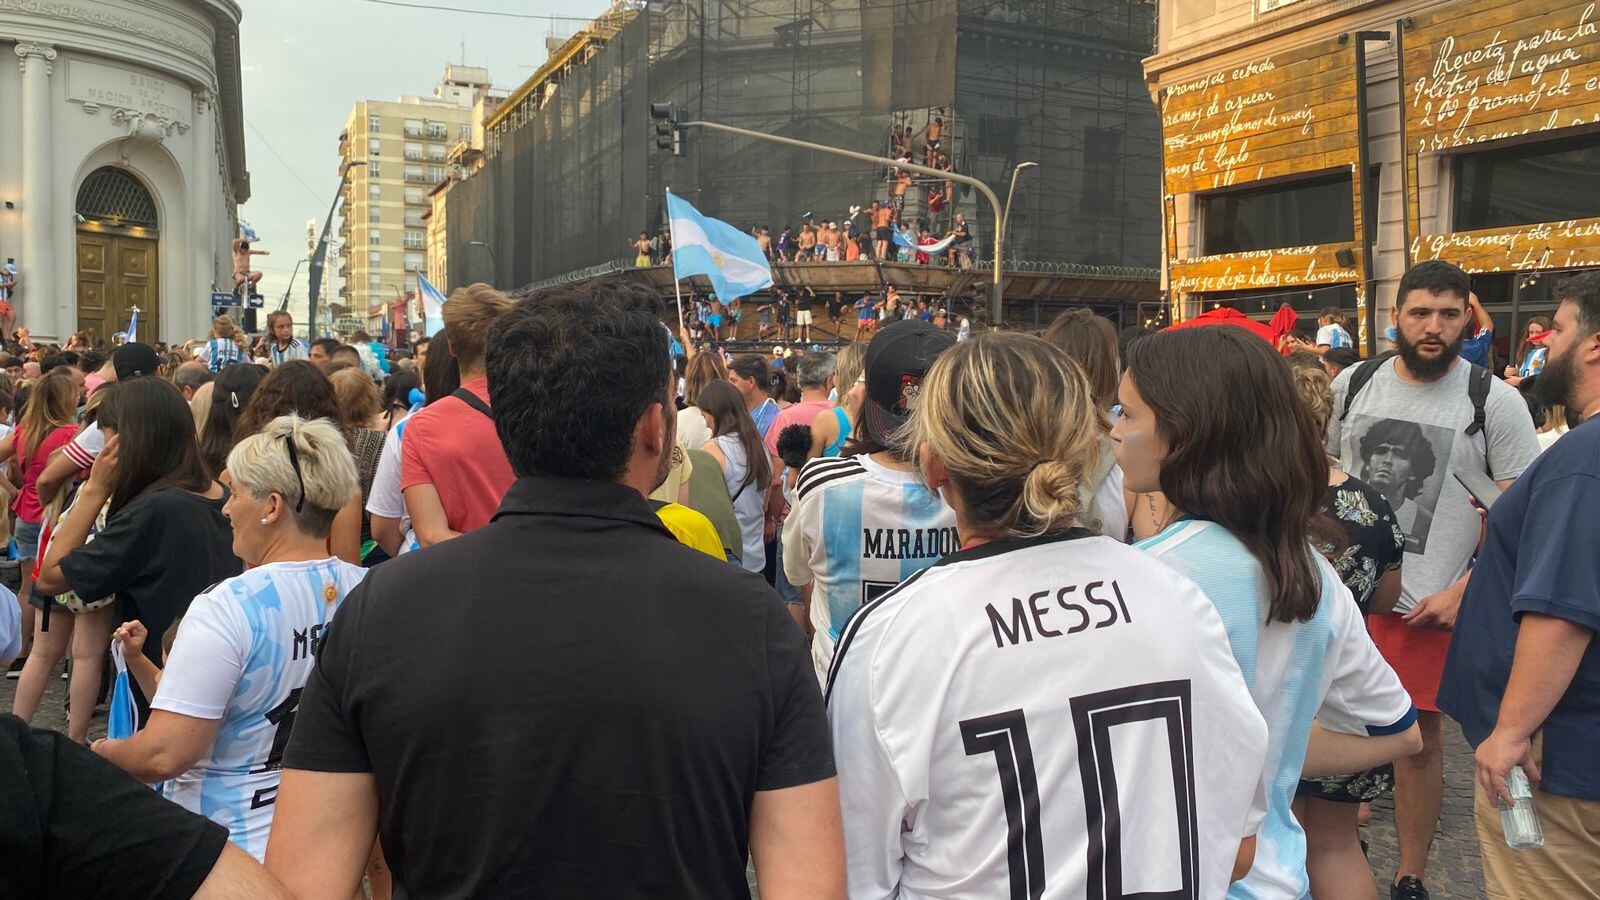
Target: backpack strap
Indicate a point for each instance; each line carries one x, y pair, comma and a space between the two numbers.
1478, 392
1359, 379
474, 401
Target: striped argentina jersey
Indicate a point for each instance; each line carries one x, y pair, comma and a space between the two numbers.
858, 528
1324, 668
242, 655
1052, 717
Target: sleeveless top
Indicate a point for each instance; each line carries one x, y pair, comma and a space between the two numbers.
835, 448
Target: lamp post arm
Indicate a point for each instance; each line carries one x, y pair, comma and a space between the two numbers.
994, 201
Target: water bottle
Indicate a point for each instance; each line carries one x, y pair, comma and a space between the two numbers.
1517, 818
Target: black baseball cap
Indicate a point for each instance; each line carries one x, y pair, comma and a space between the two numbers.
897, 360
130, 360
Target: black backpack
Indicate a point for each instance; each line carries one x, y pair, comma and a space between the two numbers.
1477, 391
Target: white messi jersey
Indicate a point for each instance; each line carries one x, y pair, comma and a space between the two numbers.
242, 655
856, 529
1056, 717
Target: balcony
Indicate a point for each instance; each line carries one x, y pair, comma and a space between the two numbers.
413, 132
437, 133
413, 221
415, 155
419, 177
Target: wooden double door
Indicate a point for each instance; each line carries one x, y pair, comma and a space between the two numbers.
117, 272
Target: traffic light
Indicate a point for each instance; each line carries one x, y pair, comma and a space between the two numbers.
667, 134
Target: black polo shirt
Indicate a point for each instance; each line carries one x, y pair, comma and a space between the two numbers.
566, 702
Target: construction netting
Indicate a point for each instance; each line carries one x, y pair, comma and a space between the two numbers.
572, 174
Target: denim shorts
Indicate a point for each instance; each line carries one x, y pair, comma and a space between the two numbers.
27, 535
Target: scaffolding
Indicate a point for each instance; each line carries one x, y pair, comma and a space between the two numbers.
571, 175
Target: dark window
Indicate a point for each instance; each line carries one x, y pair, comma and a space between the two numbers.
1102, 170
1301, 213
1551, 181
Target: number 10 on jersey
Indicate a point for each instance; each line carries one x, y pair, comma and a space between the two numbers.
1150, 786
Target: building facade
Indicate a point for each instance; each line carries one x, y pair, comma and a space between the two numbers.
124, 164
1313, 150
403, 150
572, 173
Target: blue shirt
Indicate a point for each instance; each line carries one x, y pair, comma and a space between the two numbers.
1539, 556
1476, 348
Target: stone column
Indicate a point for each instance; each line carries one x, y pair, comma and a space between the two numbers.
38, 300
182, 314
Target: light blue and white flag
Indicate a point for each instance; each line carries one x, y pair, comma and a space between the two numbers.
910, 240
432, 307
711, 247
133, 327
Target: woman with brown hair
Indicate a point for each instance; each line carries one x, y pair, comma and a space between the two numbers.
746, 468
705, 367
48, 414
1241, 460
1530, 356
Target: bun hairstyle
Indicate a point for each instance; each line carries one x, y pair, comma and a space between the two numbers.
1014, 421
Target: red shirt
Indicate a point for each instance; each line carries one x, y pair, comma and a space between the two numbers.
453, 447
27, 505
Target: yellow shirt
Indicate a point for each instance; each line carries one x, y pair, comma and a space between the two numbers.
691, 529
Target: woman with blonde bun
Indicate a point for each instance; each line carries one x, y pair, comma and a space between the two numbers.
1002, 713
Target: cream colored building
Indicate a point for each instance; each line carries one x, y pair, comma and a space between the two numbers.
1314, 149
406, 147
123, 162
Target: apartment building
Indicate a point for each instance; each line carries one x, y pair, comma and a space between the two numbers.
1313, 150
401, 150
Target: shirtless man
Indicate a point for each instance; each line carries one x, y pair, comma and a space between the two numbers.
764, 238
241, 265
881, 235
807, 243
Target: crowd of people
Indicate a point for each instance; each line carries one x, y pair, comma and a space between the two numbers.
564, 604
793, 315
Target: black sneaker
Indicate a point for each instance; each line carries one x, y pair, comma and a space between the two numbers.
15, 670
1408, 888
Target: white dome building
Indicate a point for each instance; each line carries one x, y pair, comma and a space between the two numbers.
122, 162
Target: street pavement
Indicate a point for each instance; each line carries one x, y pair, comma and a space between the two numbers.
1453, 870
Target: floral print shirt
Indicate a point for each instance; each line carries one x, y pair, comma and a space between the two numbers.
1374, 543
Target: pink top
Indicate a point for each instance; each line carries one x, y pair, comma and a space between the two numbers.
454, 447
803, 413
27, 505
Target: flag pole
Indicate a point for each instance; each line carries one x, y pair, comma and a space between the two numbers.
676, 287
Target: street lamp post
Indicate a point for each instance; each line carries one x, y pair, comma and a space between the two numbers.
492, 261
1012, 193
284, 303
994, 201
319, 256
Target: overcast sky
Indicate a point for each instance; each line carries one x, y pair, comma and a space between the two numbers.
306, 62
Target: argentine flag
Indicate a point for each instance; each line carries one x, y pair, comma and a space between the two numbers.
705, 246
934, 249
133, 327
432, 307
